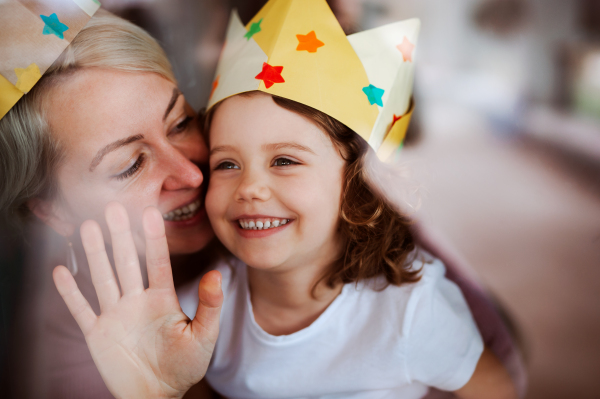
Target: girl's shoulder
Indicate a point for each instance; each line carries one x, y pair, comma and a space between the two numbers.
432, 271
413, 305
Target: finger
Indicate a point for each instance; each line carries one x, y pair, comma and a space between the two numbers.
209, 307
158, 261
124, 252
77, 304
103, 277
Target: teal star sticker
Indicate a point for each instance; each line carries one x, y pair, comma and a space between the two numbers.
254, 29
53, 26
374, 94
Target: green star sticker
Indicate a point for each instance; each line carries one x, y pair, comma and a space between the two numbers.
254, 29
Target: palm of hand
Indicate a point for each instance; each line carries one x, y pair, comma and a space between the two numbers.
148, 339
142, 343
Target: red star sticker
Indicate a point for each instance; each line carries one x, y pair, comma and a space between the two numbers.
309, 42
406, 48
270, 75
396, 119
214, 86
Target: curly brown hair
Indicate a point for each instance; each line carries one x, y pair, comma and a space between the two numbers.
378, 239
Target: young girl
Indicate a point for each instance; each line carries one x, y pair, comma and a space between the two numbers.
331, 298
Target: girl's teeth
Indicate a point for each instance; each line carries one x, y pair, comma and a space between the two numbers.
261, 224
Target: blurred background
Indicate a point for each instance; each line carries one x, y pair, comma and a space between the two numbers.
505, 144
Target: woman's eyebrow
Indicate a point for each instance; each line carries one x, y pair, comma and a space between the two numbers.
111, 147
174, 97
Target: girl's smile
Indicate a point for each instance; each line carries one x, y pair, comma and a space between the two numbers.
261, 226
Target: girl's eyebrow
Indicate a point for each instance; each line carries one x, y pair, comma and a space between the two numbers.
289, 144
221, 148
266, 147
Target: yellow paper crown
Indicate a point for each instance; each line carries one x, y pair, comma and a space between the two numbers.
33, 35
296, 49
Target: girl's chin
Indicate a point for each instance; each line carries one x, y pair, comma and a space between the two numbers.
259, 260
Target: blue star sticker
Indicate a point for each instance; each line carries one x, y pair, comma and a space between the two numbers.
53, 26
374, 94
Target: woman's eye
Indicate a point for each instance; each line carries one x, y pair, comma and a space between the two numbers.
283, 162
226, 165
182, 126
132, 170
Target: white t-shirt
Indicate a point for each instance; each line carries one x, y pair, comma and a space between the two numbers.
367, 344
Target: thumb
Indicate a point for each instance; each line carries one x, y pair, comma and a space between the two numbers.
208, 313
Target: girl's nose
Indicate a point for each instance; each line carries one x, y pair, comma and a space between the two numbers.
181, 172
252, 188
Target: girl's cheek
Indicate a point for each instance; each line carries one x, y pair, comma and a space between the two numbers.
210, 204
217, 199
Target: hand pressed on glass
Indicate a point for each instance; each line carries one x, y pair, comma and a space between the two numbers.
142, 343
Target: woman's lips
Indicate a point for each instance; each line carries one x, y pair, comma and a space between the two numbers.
190, 214
184, 212
198, 218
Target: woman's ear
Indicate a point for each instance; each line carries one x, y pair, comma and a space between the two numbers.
52, 215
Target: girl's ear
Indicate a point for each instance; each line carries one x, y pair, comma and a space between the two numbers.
52, 215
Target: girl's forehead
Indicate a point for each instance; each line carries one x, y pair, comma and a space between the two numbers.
256, 120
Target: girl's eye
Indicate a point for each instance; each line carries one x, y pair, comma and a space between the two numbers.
132, 170
283, 162
226, 165
182, 126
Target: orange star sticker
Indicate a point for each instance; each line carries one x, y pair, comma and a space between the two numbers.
309, 42
270, 75
396, 119
214, 86
406, 48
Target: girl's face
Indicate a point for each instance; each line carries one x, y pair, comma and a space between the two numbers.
132, 138
277, 170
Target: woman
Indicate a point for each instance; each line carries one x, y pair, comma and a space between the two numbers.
106, 122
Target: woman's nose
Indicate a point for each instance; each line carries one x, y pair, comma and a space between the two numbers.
252, 188
181, 172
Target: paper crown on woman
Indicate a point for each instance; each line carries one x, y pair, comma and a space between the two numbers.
33, 34
296, 49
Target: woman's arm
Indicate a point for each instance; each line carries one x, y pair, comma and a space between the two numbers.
142, 343
490, 380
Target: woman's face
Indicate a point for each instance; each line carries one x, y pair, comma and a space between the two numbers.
131, 138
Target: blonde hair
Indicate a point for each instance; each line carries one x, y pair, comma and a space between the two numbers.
28, 153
